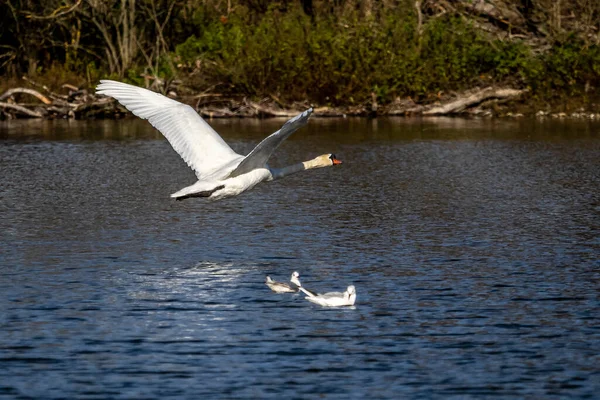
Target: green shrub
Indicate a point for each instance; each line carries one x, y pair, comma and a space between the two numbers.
335, 60
341, 55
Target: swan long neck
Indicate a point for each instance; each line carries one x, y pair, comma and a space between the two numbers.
306, 292
318, 162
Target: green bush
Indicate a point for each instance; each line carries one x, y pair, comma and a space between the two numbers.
567, 68
340, 55
344, 60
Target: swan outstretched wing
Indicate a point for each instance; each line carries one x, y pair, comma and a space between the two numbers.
196, 142
259, 156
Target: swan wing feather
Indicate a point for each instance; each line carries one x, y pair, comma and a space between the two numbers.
281, 287
332, 295
197, 143
259, 156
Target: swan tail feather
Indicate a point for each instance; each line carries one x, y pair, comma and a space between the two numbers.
199, 189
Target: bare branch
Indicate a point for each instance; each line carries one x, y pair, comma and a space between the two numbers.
32, 92
53, 95
21, 109
60, 11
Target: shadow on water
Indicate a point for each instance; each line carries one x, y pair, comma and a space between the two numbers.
474, 246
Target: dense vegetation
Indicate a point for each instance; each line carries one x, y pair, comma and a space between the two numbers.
339, 52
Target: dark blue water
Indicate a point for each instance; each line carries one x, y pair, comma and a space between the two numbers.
474, 247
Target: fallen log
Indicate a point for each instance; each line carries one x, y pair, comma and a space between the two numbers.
402, 107
213, 112
32, 92
270, 111
328, 112
46, 89
80, 104
101, 107
21, 109
461, 104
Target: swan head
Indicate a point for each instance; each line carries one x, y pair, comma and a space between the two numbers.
351, 292
333, 159
325, 160
295, 279
268, 280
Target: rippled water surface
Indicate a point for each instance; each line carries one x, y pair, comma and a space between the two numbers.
474, 247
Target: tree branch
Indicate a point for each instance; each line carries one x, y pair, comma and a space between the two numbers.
56, 13
21, 109
32, 92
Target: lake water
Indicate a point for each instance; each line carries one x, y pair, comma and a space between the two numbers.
474, 246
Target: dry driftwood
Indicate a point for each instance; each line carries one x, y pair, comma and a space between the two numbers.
51, 94
462, 103
328, 112
246, 108
53, 105
402, 107
79, 104
270, 110
21, 109
32, 92
213, 112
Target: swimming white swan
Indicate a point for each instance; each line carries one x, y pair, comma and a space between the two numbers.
332, 299
280, 287
221, 172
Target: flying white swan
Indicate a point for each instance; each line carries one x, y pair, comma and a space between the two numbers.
221, 172
280, 287
332, 299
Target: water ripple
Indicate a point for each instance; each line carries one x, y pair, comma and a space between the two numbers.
474, 252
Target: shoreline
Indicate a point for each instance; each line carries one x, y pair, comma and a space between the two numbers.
35, 100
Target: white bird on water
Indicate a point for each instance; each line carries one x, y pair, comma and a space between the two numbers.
332, 299
221, 172
280, 287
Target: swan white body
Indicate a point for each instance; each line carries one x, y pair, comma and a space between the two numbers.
221, 172
281, 287
332, 299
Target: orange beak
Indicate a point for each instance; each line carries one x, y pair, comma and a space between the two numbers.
334, 160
